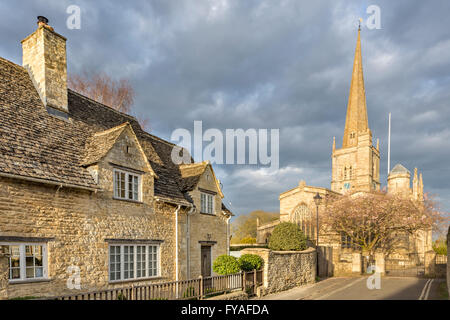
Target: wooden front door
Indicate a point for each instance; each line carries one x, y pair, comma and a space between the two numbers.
206, 261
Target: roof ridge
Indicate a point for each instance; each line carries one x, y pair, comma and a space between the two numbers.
159, 139
102, 104
13, 63
124, 114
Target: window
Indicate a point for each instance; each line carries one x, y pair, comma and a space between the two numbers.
207, 203
346, 241
129, 262
27, 261
126, 185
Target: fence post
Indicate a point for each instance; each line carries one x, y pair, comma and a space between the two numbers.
243, 280
255, 283
201, 287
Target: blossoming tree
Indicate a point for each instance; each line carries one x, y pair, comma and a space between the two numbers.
375, 222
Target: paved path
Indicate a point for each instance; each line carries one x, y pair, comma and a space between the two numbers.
355, 288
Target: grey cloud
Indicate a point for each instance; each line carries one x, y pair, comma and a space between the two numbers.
266, 64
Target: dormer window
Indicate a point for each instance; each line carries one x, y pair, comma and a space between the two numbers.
127, 185
207, 203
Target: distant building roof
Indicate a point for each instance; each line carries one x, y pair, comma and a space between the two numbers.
398, 169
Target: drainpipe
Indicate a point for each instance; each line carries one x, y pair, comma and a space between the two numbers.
188, 241
176, 248
176, 243
228, 235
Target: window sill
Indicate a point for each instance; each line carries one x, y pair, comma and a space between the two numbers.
128, 200
135, 280
29, 281
208, 214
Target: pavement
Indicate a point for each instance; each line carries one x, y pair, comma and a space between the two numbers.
358, 288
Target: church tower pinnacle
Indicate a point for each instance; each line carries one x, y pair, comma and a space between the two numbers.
355, 167
356, 121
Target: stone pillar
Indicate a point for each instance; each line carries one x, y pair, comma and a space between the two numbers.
430, 263
356, 262
4, 267
379, 263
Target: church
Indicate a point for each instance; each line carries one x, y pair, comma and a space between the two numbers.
355, 168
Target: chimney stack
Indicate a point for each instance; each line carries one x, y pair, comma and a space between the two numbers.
44, 56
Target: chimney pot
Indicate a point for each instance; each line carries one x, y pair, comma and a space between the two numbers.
42, 19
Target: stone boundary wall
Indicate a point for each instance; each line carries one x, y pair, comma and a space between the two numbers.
284, 270
239, 295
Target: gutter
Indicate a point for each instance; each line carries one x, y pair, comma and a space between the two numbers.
49, 182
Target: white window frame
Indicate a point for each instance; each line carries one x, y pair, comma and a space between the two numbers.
147, 261
127, 174
22, 259
207, 196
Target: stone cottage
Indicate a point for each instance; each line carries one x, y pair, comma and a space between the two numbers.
86, 195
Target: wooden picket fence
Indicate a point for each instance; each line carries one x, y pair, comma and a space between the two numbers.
192, 289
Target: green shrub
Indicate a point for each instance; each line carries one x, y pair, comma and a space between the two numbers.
248, 240
440, 247
225, 264
250, 262
121, 296
287, 236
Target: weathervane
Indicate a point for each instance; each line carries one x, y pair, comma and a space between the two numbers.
359, 23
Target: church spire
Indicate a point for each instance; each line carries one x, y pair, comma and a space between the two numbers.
356, 121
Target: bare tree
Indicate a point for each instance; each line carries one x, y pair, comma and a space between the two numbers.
117, 94
375, 222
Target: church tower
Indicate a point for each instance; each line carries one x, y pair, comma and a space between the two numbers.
356, 166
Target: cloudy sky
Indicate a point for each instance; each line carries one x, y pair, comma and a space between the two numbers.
269, 64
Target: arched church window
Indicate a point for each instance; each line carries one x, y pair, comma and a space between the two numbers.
302, 217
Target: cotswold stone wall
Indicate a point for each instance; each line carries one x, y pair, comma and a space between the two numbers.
206, 229
3, 274
79, 223
284, 270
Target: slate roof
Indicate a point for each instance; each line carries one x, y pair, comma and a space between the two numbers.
191, 174
35, 144
100, 143
399, 169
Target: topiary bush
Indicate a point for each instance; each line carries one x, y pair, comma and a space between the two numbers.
225, 264
287, 236
250, 262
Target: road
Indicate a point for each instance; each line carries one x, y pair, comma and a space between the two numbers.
356, 288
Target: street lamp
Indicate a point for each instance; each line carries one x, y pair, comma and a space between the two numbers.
317, 199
